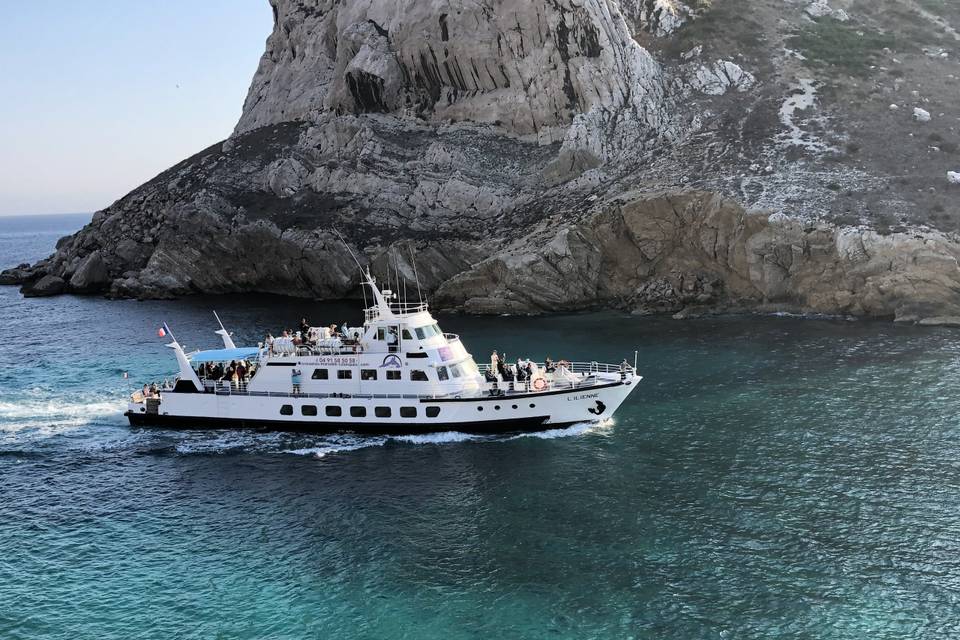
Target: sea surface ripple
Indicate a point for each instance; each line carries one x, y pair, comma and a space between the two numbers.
770, 478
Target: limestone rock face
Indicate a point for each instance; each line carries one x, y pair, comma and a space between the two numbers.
650, 155
528, 69
669, 252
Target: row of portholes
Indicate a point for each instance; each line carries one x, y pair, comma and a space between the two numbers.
335, 411
496, 407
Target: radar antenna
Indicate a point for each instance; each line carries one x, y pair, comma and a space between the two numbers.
363, 288
413, 260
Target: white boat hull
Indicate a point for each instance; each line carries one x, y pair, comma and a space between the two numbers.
388, 414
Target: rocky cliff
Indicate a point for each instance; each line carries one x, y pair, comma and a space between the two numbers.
652, 155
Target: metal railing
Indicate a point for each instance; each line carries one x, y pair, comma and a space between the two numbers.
397, 308
574, 367
568, 375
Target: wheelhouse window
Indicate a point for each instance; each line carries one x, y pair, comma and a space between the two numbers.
320, 374
416, 375
358, 412
393, 374
334, 411
427, 332
382, 412
442, 374
286, 410
433, 412
406, 334
368, 374
308, 410
344, 374
390, 335
408, 412
464, 369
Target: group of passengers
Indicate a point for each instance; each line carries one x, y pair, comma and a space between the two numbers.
523, 371
237, 372
307, 336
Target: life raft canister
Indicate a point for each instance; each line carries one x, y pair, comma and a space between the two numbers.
540, 384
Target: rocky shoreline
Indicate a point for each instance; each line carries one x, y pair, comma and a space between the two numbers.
687, 254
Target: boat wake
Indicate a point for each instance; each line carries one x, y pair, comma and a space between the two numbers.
346, 443
39, 416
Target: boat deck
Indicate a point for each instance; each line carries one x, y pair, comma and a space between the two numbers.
576, 376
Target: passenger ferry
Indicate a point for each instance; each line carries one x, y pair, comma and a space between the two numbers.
397, 373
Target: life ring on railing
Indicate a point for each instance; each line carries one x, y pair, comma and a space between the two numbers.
540, 384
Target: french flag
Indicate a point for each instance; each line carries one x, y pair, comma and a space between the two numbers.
163, 331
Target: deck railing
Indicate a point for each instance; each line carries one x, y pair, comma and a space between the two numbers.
397, 308
572, 375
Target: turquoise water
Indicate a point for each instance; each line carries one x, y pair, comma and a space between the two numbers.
771, 478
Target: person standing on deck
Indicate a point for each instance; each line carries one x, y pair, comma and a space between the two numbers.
495, 362
295, 380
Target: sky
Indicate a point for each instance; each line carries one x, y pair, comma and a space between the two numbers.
97, 97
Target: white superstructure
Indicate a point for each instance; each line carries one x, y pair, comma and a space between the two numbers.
397, 373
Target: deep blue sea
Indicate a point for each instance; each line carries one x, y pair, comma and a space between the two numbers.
771, 478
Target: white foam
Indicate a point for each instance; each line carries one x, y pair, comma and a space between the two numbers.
226, 441
338, 446
45, 417
443, 437
568, 432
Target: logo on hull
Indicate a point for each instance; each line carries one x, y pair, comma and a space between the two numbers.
391, 361
600, 408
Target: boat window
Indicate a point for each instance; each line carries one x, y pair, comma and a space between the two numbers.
358, 412
344, 374
382, 412
456, 371
406, 334
442, 374
308, 410
286, 410
416, 375
408, 412
389, 335
368, 374
320, 374
427, 332
433, 412
393, 374
334, 411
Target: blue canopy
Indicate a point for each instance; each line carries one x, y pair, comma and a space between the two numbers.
224, 355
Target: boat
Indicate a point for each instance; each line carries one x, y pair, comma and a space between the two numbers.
397, 373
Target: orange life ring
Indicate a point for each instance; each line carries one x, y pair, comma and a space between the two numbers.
539, 384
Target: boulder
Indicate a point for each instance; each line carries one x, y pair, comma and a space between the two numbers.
48, 285
91, 275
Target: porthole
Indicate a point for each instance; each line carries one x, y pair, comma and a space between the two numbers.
497, 407
514, 406
532, 406
479, 408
